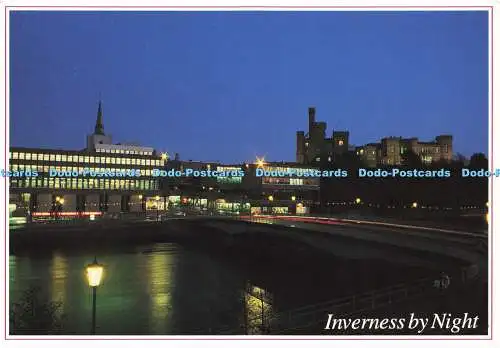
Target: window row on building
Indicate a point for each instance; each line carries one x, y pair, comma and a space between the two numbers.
84, 183
127, 152
45, 169
290, 181
28, 156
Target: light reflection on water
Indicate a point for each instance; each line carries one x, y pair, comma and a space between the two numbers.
161, 289
259, 310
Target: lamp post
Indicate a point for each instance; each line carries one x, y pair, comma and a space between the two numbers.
58, 206
157, 199
94, 275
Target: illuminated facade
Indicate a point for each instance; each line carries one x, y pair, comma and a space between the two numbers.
391, 150
314, 146
281, 195
124, 189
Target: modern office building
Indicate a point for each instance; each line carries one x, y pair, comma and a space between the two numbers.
281, 195
314, 146
391, 150
245, 194
103, 177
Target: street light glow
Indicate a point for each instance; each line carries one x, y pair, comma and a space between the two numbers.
164, 156
260, 162
414, 205
94, 273
294, 198
157, 198
271, 198
358, 200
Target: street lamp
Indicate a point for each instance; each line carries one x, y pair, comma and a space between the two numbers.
157, 199
294, 198
414, 205
271, 198
358, 200
58, 206
94, 276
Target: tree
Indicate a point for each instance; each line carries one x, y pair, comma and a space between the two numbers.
478, 161
33, 316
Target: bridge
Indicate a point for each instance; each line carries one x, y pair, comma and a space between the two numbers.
455, 260
459, 256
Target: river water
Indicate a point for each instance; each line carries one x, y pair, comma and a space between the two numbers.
155, 289
166, 288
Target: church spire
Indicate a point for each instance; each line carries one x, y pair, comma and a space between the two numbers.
99, 128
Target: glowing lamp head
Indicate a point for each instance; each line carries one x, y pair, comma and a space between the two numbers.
271, 198
94, 273
157, 198
358, 200
414, 205
58, 199
164, 156
294, 198
260, 162
61, 201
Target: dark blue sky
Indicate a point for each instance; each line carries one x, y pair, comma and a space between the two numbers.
229, 86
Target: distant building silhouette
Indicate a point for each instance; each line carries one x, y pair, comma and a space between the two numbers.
314, 146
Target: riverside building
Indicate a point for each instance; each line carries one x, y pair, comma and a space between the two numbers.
40, 194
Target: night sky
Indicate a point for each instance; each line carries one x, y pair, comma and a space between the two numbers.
229, 86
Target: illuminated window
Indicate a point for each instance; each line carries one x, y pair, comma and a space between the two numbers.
86, 159
341, 142
52, 157
15, 155
46, 157
40, 156
143, 162
28, 156
14, 167
58, 158
318, 159
92, 159
127, 161
64, 158
113, 160
21, 155
108, 160
148, 162
80, 159
307, 144
133, 161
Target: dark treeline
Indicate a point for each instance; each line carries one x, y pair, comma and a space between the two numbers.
448, 192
